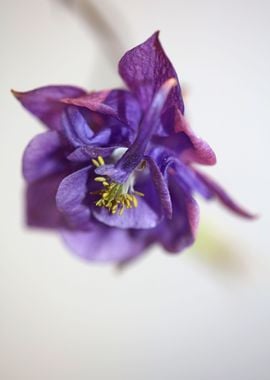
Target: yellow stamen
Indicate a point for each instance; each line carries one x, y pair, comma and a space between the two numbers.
100, 179
114, 208
114, 196
127, 203
101, 160
129, 197
138, 193
135, 201
95, 162
122, 210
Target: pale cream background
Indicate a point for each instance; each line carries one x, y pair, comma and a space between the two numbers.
187, 317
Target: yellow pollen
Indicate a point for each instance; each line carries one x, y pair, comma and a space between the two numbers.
101, 160
113, 196
135, 201
100, 179
129, 197
95, 162
138, 193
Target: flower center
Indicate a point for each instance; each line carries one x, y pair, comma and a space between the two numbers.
116, 197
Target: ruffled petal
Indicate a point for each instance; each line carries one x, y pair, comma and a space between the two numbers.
145, 68
191, 148
143, 216
41, 210
71, 198
219, 193
146, 215
120, 104
104, 244
161, 186
133, 156
102, 138
76, 128
184, 175
43, 156
87, 152
44, 103
179, 232
187, 178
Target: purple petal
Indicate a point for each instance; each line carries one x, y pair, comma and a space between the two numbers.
44, 155
120, 104
127, 106
145, 68
86, 153
107, 170
179, 232
191, 147
143, 216
102, 137
219, 193
187, 178
104, 244
71, 197
41, 208
75, 127
45, 104
94, 101
184, 175
161, 186
147, 215
133, 156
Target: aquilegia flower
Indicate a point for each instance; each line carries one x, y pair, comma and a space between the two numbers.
114, 171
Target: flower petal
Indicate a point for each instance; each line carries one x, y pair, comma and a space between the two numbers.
184, 175
71, 198
41, 208
104, 244
219, 193
191, 147
187, 178
75, 127
133, 156
143, 216
161, 186
146, 215
145, 68
43, 156
87, 152
102, 137
179, 232
44, 103
120, 104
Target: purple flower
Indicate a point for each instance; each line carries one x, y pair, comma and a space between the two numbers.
114, 171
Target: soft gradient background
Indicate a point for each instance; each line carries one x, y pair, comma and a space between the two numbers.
201, 315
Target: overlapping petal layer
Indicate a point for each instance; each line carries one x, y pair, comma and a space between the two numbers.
114, 173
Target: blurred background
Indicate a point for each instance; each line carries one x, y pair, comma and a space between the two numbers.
200, 315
